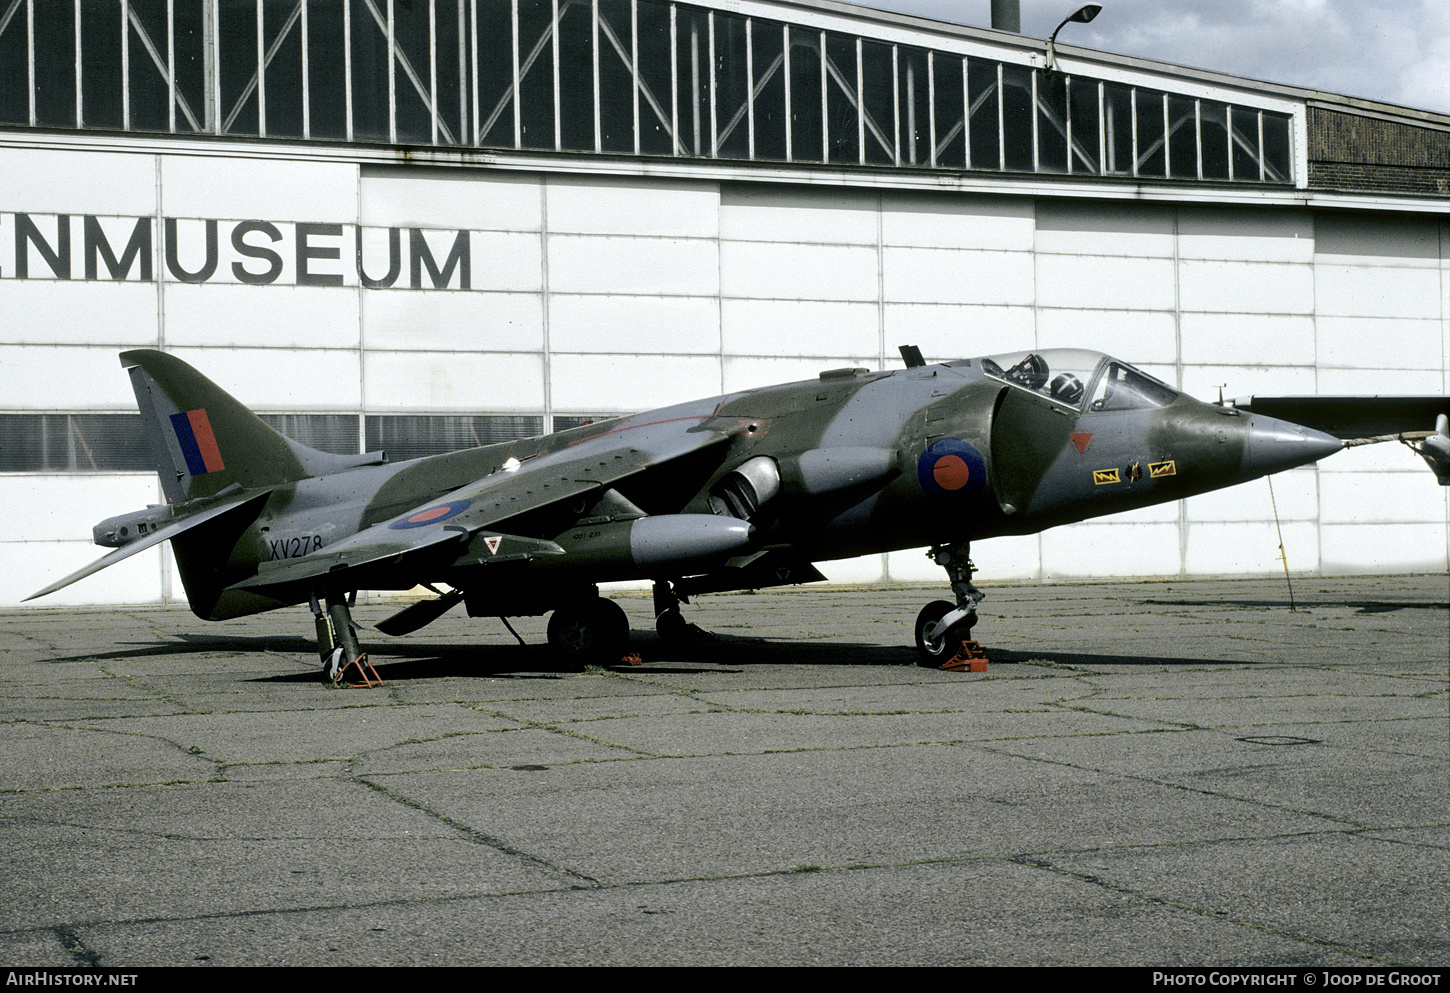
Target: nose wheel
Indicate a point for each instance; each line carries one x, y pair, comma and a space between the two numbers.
936, 648
942, 627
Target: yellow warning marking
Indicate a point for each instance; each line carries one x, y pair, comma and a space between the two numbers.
1156, 469
1101, 476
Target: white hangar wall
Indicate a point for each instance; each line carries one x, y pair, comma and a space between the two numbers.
362, 290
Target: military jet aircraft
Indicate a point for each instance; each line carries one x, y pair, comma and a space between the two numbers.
736, 492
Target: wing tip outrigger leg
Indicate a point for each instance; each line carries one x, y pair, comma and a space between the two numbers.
337, 642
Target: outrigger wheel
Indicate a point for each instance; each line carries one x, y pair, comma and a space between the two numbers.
589, 632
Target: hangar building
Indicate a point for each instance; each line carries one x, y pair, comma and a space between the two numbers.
419, 225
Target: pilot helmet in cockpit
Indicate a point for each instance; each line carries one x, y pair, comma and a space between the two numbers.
1067, 388
1031, 372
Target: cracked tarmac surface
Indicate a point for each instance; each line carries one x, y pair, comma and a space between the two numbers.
1170, 773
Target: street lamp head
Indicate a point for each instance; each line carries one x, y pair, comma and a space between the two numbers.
1082, 15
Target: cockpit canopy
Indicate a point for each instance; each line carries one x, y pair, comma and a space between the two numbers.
1080, 379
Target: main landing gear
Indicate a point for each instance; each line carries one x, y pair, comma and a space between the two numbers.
589, 631
941, 627
669, 622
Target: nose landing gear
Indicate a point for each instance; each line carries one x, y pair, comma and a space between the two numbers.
944, 629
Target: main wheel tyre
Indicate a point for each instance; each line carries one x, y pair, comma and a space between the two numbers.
934, 653
594, 632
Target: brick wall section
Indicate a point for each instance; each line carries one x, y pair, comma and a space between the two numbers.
1368, 155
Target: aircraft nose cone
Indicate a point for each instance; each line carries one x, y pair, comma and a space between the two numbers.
1274, 445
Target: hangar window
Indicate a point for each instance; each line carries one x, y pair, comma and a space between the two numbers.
768, 128
632, 77
657, 116
411, 437
1084, 126
1150, 114
1018, 88
73, 443
147, 92
1182, 138
537, 76
326, 432
913, 108
14, 76
1275, 142
806, 96
55, 66
325, 92
563, 422
1244, 143
116, 443
948, 110
616, 78
844, 127
101, 40
1213, 139
984, 106
1119, 142
730, 43
1052, 124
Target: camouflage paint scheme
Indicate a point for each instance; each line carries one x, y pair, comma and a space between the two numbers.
740, 491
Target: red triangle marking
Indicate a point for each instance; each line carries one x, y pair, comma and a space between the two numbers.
493, 542
1081, 439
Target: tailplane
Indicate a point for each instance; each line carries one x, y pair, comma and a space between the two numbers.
203, 440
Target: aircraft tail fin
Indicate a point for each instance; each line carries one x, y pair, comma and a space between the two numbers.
203, 440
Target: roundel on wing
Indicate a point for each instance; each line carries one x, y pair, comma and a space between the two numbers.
951, 468
432, 515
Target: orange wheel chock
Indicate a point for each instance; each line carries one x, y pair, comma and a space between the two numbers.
367, 676
969, 658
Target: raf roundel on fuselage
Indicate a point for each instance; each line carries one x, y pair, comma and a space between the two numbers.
951, 469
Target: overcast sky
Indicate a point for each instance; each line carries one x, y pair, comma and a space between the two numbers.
1397, 51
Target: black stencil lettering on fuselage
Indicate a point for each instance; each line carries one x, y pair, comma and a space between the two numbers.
291, 548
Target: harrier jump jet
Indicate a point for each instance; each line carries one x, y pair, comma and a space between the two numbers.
735, 492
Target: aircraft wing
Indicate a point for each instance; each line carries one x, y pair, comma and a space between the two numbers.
1364, 420
461, 527
156, 537
1352, 417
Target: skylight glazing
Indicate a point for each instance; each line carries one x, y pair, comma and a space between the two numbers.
631, 77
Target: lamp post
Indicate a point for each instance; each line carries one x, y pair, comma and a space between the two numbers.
1007, 16
1082, 15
